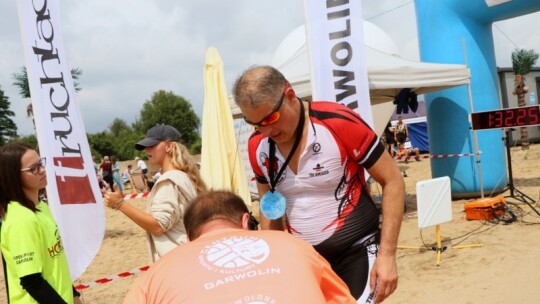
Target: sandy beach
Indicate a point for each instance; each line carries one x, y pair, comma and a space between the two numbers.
505, 268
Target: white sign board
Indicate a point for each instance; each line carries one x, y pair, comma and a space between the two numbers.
243, 132
434, 202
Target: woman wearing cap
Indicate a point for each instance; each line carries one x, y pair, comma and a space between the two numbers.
179, 183
36, 266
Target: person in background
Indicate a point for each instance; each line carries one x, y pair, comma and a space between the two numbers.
154, 179
310, 157
96, 167
103, 186
106, 171
180, 182
141, 165
401, 133
115, 165
35, 262
267, 265
389, 139
403, 152
126, 175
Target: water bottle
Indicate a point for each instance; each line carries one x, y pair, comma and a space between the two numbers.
532, 100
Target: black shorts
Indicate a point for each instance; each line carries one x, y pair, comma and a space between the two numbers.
354, 266
401, 138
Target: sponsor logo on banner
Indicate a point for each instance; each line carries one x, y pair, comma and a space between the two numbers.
72, 181
335, 39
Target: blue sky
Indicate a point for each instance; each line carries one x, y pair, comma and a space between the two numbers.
130, 49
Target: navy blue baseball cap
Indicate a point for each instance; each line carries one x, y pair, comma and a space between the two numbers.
156, 134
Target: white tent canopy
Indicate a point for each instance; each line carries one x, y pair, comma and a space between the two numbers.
387, 72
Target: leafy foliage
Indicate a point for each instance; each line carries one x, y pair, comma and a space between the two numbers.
21, 81
30, 140
102, 142
8, 129
168, 108
523, 61
118, 127
119, 140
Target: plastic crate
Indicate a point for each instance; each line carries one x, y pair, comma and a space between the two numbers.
485, 208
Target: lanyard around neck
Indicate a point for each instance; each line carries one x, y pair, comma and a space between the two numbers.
299, 131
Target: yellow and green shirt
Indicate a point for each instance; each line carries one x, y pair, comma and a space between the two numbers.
31, 243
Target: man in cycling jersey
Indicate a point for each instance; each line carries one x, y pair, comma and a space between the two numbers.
313, 155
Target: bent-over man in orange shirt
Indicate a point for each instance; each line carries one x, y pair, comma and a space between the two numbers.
224, 262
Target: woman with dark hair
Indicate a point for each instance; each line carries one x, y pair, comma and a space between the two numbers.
36, 266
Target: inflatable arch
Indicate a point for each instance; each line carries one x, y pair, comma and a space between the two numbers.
444, 27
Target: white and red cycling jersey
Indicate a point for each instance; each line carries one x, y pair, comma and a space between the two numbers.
326, 200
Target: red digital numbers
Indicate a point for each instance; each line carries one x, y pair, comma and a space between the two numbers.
506, 118
509, 120
522, 114
534, 115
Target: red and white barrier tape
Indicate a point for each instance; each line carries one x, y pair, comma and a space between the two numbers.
136, 195
435, 156
111, 278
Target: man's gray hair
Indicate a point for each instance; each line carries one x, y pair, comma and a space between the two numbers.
258, 84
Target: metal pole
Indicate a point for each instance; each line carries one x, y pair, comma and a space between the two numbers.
475, 139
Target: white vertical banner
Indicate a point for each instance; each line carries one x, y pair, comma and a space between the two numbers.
72, 191
335, 40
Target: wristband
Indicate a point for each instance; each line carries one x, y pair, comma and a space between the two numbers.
118, 204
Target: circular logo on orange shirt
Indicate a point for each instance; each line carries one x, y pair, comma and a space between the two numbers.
234, 254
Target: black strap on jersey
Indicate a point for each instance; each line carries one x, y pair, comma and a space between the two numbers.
272, 152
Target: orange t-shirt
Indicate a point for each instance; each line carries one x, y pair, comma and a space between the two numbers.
240, 267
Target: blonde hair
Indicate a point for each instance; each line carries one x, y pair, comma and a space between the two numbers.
183, 161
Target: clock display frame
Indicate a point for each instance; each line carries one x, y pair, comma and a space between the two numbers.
506, 118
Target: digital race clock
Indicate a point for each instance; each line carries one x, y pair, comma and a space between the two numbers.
506, 118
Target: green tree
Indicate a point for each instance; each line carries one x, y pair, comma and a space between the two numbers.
522, 63
118, 140
171, 109
119, 126
21, 81
124, 139
30, 140
8, 129
102, 142
196, 147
